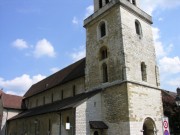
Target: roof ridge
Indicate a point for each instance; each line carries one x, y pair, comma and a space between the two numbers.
167, 92
57, 78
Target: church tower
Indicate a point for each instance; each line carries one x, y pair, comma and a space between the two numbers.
120, 59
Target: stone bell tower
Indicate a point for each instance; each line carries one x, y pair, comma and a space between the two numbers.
120, 58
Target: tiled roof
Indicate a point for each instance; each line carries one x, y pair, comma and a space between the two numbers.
58, 106
11, 101
69, 73
168, 97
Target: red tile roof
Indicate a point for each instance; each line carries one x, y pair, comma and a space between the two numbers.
11, 101
168, 97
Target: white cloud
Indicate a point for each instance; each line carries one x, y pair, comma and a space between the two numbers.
160, 19
20, 44
89, 11
75, 20
21, 84
158, 44
161, 51
54, 69
44, 48
78, 53
170, 65
150, 5
175, 82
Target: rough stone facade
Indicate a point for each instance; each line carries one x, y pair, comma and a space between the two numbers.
129, 102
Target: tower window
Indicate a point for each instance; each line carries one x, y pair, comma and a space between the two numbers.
105, 73
138, 28
107, 1
100, 3
103, 53
102, 29
143, 72
134, 2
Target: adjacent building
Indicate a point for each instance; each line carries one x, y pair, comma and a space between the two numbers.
10, 105
115, 90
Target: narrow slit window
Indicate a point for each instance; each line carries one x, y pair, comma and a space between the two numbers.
143, 72
105, 73
107, 1
62, 95
52, 97
103, 53
138, 28
67, 119
102, 29
134, 2
44, 100
74, 90
100, 3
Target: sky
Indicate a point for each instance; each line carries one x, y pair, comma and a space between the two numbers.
40, 37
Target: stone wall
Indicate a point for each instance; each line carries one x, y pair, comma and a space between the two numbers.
56, 93
112, 41
144, 102
53, 123
138, 48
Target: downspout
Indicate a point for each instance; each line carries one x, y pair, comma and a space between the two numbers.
60, 123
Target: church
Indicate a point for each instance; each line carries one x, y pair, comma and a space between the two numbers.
115, 90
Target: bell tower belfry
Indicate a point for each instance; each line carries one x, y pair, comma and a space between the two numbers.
120, 44
120, 59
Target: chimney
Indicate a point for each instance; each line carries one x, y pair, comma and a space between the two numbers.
178, 91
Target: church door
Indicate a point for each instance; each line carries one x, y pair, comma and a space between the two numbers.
96, 133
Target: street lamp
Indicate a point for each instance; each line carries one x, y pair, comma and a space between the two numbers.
178, 97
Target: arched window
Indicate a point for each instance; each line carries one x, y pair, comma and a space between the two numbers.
138, 28
100, 3
134, 2
143, 71
96, 133
103, 53
105, 73
102, 29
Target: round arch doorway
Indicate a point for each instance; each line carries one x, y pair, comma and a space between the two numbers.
149, 127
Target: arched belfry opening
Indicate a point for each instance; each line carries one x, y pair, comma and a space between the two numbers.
149, 127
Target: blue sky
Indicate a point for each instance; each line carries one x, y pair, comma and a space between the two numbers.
39, 37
